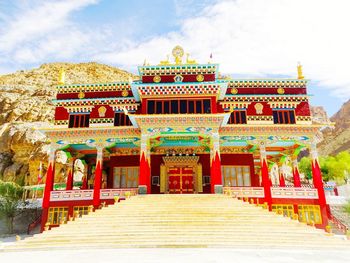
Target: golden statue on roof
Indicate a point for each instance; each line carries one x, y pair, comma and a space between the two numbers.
61, 77
178, 53
300, 71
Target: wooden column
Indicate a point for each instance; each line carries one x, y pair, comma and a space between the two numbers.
49, 183
69, 183
98, 176
266, 183
215, 162
281, 176
145, 169
50, 177
296, 174
318, 183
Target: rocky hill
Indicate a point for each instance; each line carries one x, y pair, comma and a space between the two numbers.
338, 138
25, 104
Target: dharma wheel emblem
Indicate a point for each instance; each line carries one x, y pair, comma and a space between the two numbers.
125, 93
157, 79
178, 51
280, 90
81, 95
200, 78
234, 91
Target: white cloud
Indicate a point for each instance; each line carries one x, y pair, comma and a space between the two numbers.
35, 29
247, 37
257, 37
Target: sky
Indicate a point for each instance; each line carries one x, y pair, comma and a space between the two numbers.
248, 38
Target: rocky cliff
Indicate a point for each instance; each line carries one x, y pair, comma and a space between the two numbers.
338, 138
25, 104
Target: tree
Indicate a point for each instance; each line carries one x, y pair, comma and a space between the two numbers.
305, 167
336, 168
10, 201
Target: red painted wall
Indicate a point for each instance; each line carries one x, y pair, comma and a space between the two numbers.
95, 115
266, 109
241, 159
61, 113
303, 109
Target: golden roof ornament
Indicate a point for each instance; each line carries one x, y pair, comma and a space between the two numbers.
190, 61
61, 77
178, 53
300, 71
165, 62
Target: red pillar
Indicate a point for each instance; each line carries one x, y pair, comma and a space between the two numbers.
145, 173
318, 183
266, 183
69, 183
282, 181
296, 174
49, 182
98, 178
215, 170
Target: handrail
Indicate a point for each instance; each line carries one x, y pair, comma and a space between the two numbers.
340, 225
33, 224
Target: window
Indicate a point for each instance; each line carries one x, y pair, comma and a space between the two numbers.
238, 117
155, 180
120, 119
82, 210
206, 179
79, 120
176, 106
236, 175
125, 177
206, 106
283, 117
57, 215
310, 214
285, 210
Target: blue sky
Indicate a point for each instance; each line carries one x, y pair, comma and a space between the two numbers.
249, 38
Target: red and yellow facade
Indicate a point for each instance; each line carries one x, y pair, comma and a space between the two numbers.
180, 129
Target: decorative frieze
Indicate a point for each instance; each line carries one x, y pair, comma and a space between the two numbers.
117, 86
180, 89
96, 101
268, 83
178, 69
265, 98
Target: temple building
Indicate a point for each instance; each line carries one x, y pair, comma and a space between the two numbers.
182, 129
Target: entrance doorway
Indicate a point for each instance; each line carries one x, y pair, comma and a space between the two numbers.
180, 180
181, 175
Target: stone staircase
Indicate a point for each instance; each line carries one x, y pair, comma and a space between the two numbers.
158, 221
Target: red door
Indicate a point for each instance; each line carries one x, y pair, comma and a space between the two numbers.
180, 180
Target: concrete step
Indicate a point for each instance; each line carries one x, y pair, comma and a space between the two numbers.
181, 221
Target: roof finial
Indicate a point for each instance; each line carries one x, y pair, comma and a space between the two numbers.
61, 76
188, 60
165, 62
300, 71
178, 53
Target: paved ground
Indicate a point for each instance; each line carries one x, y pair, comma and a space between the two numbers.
177, 256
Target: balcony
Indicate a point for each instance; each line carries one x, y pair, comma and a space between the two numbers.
87, 195
242, 192
294, 193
